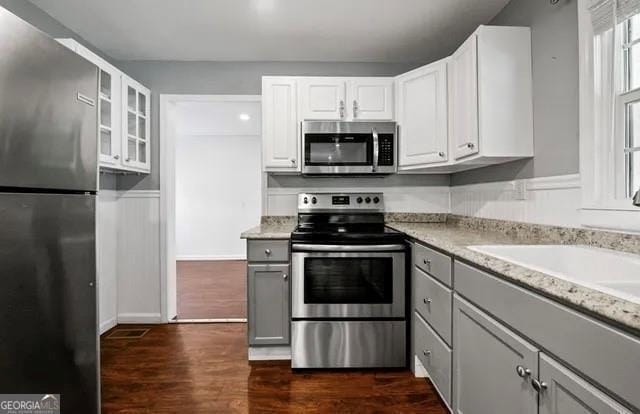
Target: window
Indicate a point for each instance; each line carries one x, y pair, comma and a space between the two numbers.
629, 99
609, 79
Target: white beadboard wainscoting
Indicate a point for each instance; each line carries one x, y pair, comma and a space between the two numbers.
426, 199
107, 246
545, 200
128, 257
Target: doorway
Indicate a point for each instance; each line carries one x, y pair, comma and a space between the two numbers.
217, 186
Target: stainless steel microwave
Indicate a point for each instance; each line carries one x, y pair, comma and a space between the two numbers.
343, 148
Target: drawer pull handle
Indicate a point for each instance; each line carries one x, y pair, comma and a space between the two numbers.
539, 386
267, 252
427, 301
522, 371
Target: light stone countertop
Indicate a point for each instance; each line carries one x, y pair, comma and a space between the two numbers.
455, 236
272, 227
269, 231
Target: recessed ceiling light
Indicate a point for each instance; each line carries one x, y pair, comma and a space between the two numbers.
244, 117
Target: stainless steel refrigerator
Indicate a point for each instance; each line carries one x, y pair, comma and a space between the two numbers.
48, 179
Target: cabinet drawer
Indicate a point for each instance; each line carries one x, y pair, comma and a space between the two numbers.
436, 264
268, 250
606, 355
435, 356
433, 301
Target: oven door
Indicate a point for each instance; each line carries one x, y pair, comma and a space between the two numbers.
338, 281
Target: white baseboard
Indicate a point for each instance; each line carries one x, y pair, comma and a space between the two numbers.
418, 369
194, 258
269, 353
132, 318
108, 324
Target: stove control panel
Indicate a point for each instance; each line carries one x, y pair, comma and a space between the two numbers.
318, 202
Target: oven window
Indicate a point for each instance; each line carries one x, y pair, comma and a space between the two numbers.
348, 280
338, 149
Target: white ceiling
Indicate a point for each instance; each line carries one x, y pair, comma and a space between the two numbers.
274, 30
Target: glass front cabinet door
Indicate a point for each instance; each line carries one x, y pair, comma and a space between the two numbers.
135, 121
109, 139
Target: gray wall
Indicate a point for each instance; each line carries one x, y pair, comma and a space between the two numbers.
554, 32
225, 78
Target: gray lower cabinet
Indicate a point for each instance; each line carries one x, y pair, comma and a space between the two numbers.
492, 366
268, 304
563, 392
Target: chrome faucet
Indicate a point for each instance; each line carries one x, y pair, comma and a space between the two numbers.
636, 198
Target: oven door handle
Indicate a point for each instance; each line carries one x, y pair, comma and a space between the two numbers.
376, 149
347, 248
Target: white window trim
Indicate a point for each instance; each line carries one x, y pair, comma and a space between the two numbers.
601, 206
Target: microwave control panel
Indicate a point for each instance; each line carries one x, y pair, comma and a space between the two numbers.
386, 154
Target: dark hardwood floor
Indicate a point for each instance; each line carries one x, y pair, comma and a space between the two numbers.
212, 289
203, 368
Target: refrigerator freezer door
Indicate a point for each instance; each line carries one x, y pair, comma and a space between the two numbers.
48, 334
48, 129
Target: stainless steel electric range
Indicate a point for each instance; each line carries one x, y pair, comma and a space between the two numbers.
348, 284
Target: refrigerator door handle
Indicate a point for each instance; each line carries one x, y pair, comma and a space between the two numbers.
86, 99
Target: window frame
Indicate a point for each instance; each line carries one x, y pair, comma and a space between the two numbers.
601, 154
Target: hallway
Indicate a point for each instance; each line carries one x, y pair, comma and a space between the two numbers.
212, 289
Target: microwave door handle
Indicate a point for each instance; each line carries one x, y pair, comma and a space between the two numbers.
376, 149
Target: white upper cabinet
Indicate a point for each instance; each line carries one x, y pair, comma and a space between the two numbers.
491, 104
123, 138
346, 99
421, 97
370, 99
464, 99
323, 99
135, 125
280, 135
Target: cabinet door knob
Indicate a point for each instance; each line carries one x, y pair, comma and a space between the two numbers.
539, 386
267, 252
522, 371
426, 353
285, 276
116, 157
470, 145
441, 154
426, 301
293, 161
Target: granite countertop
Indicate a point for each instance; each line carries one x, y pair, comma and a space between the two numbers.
269, 231
272, 227
454, 237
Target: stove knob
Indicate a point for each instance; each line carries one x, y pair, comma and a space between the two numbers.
306, 200
376, 200
314, 200
359, 200
367, 200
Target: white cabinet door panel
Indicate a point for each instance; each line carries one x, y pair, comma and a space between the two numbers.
464, 99
323, 99
280, 124
370, 99
422, 116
